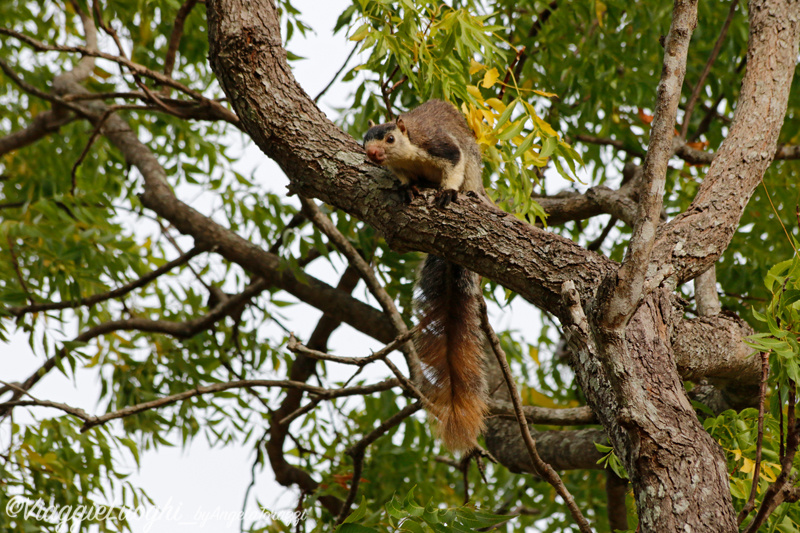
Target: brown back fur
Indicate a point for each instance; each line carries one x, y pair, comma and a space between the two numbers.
428, 143
434, 121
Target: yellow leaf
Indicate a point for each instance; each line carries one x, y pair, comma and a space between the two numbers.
490, 78
474, 118
534, 353
487, 115
600, 10
475, 92
95, 360
496, 104
474, 67
101, 73
537, 398
544, 126
532, 158
769, 471
544, 93
748, 467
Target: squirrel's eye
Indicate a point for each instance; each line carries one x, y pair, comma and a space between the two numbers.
390, 139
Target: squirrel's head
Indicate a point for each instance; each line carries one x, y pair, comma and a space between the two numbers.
386, 143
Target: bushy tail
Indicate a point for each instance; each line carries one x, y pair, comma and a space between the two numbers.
450, 347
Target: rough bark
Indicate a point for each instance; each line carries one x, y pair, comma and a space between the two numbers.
695, 239
631, 380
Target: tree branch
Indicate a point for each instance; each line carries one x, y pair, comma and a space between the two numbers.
175, 36
619, 145
541, 19
302, 369
356, 452
616, 492
116, 293
573, 416
542, 468
626, 287
324, 224
135, 68
91, 421
695, 239
42, 125
687, 116
178, 329
328, 394
705, 293
331, 166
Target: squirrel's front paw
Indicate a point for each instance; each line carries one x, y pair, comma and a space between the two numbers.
409, 192
445, 196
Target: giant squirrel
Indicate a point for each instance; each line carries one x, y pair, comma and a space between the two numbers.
432, 144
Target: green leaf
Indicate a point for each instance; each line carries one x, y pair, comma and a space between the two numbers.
355, 528
360, 33
505, 115
359, 513
512, 131
548, 146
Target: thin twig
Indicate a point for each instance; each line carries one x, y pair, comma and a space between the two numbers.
629, 287
616, 143
533, 32
338, 72
385, 95
177, 329
324, 224
783, 488
175, 36
701, 82
30, 89
115, 293
296, 347
542, 468
711, 113
509, 70
463, 466
598, 242
256, 462
18, 270
133, 67
381, 354
92, 421
95, 134
748, 507
107, 28
356, 452
74, 411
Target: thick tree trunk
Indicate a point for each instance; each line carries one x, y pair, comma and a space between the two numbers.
677, 470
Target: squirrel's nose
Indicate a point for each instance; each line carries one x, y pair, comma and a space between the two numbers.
375, 154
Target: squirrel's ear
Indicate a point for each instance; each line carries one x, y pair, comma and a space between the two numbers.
370, 123
401, 125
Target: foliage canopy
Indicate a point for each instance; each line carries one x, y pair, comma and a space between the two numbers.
560, 97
